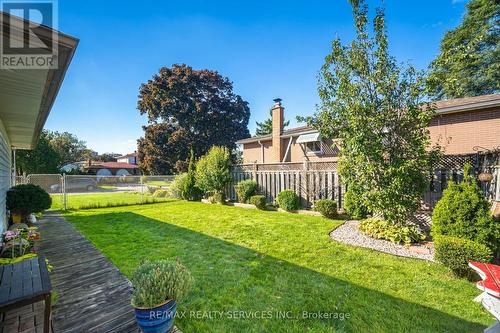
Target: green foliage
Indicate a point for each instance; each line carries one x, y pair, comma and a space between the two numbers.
27, 198
159, 193
469, 59
374, 107
464, 212
188, 108
266, 127
382, 229
246, 189
68, 147
327, 208
43, 159
354, 204
191, 191
288, 200
177, 185
213, 170
158, 281
258, 201
455, 253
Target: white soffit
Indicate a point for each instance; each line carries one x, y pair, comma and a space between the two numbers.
311, 137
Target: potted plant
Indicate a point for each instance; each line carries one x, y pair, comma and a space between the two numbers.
158, 286
25, 199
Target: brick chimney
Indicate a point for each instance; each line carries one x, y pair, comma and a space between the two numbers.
277, 114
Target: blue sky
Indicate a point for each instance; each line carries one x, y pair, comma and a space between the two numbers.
267, 48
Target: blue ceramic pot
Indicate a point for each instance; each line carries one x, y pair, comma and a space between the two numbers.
159, 319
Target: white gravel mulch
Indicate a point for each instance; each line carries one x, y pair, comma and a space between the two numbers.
348, 233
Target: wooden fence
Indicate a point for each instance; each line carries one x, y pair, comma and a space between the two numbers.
310, 180
319, 180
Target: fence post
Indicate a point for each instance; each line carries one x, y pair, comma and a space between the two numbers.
64, 191
142, 190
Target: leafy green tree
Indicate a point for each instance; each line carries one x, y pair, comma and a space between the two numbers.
190, 191
373, 105
213, 170
43, 159
188, 108
266, 127
68, 146
469, 59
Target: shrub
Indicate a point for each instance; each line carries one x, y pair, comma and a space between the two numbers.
213, 170
246, 189
464, 212
455, 253
191, 191
288, 200
158, 281
354, 204
219, 198
382, 229
160, 193
177, 185
259, 201
327, 208
27, 198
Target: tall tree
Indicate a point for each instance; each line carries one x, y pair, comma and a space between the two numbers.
188, 108
469, 59
266, 127
68, 146
373, 105
43, 159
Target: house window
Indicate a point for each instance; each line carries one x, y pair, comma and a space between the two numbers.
315, 147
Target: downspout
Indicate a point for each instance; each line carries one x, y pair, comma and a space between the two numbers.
287, 149
261, 151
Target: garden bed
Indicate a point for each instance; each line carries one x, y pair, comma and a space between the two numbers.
348, 233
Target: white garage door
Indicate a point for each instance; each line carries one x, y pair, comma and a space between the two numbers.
5, 177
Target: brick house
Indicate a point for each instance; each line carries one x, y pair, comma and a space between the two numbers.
461, 126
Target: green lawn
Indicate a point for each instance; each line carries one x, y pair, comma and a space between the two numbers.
96, 200
253, 261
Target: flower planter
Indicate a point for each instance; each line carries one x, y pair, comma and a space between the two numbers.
159, 319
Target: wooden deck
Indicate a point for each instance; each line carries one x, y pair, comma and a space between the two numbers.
92, 294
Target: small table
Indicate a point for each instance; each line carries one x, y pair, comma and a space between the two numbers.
24, 283
490, 285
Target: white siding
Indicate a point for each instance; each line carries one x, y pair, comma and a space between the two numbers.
5, 175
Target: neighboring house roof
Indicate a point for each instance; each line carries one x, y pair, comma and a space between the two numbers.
111, 165
442, 107
26, 96
128, 155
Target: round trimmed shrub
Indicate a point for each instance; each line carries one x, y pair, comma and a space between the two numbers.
464, 212
327, 208
455, 253
219, 197
354, 204
258, 201
288, 200
27, 198
246, 189
160, 193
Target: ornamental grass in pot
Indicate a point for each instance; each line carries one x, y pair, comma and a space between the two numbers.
158, 286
